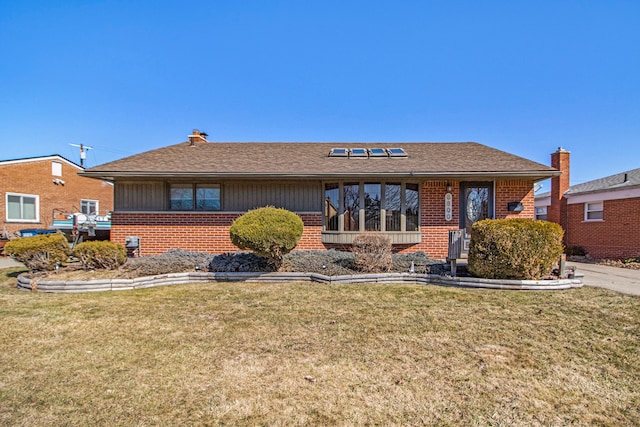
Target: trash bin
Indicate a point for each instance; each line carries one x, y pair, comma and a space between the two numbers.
29, 232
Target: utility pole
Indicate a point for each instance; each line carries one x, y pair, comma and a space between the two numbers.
83, 153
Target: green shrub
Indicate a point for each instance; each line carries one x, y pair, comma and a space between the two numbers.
514, 248
269, 232
100, 254
372, 252
40, 252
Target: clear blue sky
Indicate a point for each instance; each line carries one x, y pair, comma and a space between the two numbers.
130, 76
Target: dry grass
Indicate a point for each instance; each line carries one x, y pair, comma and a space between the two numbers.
308, 354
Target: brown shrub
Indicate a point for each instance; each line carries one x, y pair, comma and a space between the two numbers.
372, 253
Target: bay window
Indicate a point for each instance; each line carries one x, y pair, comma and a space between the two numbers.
387, 207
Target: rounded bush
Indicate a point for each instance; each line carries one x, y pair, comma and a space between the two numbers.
41, 252
100, 254
269, 232
514, 248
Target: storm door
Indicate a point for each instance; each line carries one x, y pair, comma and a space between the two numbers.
476, 203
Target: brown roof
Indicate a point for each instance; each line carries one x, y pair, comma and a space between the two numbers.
312, 160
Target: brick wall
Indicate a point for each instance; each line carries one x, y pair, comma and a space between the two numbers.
209, 232
35, 177
199, 232
616, 237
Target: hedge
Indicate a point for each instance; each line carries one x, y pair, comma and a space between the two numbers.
40, 252
514, 248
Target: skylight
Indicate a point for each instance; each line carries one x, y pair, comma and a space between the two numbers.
397, 152
377, 152
358, 152
339, 152
368, 152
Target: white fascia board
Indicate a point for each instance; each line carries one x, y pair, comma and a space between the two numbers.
40, 159
543, 201
631, 193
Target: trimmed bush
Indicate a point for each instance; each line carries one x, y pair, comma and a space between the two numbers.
100, 254
269, 232
40, 252
514, 248
372, 253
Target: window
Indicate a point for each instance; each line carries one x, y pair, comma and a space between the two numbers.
593, 211
371, 206
331, 205
200, 197
393, 206
23, 207
412, 204
89, 207
56, 168
351, 205
541, 213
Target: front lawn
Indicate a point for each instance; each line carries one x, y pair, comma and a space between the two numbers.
309, 354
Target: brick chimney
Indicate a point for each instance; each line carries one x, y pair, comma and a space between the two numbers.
559, 185
197, 136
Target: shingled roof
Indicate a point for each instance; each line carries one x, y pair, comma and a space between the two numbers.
312, 160
619, 181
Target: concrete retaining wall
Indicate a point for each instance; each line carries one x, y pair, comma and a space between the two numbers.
98, 285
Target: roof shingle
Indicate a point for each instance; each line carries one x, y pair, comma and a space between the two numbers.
311, 159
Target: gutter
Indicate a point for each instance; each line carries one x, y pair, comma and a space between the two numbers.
536, 175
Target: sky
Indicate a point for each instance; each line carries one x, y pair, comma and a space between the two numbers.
125, 77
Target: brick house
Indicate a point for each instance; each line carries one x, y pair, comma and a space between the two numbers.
600, 216
34, 189
187, 195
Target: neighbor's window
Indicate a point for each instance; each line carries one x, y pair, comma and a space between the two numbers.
23, 207
593, 211
201, 197
89, 207
371, 206
541, 213
56, 168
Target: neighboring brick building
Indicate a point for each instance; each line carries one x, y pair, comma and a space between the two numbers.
600, 216
187, 195
33, 189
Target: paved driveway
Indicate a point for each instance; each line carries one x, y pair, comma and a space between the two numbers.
614, 278
7, 262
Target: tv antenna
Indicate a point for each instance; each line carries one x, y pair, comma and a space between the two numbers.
83, 153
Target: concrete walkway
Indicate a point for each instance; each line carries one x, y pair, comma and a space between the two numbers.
8, 262
616, 279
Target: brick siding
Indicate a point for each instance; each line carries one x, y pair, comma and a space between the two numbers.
35, 177
616, 237
209, 232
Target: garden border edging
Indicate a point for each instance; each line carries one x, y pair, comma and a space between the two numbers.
98, 285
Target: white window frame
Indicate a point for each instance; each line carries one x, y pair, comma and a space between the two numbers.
90, 201
56, 168
541, 211
587, 211
37, 199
